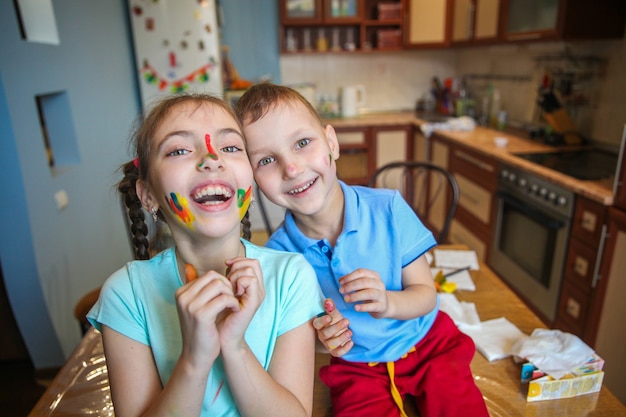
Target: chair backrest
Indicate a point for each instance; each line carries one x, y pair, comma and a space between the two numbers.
430, 189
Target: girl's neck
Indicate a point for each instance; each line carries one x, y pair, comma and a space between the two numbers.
210, 256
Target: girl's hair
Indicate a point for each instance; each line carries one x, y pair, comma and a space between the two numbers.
138, 168
262, 97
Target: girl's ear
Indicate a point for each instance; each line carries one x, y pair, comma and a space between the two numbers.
333, 142
145, 195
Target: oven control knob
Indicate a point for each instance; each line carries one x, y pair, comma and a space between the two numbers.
551, 196
522, 182
512, 177
543, 191
504, 173
534, 188
561, 200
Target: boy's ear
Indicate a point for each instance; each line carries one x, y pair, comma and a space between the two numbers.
333, 142
147, 199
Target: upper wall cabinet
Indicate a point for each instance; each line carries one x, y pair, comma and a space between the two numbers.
531, 20
428, 23
475, 21
340, 25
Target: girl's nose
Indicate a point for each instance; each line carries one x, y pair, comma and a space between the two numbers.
210, 161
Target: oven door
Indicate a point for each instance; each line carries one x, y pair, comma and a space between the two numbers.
529, 250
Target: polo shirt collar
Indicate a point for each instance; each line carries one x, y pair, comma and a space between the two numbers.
350, 220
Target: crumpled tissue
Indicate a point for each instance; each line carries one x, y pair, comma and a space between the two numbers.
461, 312
463, 123
553, 351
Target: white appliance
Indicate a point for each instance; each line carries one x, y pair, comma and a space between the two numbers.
176, 47
352, 99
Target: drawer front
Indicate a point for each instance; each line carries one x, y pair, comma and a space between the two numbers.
589, 217
462, 235
580, 264
573, 308
476, 167
474, 198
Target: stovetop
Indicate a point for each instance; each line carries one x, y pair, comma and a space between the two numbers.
588, 165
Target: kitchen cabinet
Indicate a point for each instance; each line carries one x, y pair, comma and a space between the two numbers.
475, 21
428, 23
364, 149
357, 160
340, 25
532, 20
580, 295
476, 175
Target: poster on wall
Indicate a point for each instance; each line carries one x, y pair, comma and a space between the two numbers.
177, 47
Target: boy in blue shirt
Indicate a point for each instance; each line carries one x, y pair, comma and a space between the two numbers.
384, 330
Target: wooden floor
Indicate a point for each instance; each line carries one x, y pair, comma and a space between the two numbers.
19, 390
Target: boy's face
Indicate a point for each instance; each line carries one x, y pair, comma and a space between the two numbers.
293, 157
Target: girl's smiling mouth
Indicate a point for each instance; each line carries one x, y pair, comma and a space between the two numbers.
212, 195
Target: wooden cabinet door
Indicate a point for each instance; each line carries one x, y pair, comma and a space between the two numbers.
475, 21
357, 159
429, 23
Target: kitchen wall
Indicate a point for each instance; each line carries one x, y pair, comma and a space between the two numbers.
52, 256
394, 81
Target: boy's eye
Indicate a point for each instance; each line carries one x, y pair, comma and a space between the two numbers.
266, 160
178, 152
231, 149
302, 143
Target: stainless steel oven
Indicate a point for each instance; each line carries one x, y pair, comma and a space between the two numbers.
531, 233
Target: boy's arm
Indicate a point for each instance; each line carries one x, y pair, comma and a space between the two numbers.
417, 298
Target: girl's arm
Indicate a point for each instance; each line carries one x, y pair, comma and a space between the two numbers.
287, 389
135, 385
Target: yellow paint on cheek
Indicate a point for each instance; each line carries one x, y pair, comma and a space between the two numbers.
243, 201
180, 206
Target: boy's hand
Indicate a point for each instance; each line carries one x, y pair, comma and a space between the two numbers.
332, 330
365, 288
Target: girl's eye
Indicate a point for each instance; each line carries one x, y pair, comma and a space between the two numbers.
266, 160
231, 149
178, 152
302, 143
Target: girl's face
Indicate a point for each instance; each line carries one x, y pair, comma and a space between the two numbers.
293, 158
199, 174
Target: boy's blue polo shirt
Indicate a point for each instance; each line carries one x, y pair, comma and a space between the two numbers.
381, 232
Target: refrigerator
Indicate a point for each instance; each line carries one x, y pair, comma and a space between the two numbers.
177, 47
611, 337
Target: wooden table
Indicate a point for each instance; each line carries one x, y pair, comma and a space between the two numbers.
82, 388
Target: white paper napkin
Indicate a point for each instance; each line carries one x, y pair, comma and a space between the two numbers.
460, 312
494, 338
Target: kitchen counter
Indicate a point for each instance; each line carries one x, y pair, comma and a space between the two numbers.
483, 140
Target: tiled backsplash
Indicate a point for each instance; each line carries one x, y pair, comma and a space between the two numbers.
395, 80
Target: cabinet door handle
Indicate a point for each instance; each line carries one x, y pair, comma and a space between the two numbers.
596, 269
474, 161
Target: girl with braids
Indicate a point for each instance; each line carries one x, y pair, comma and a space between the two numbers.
238, 339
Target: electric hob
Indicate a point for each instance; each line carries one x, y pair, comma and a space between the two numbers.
588, 165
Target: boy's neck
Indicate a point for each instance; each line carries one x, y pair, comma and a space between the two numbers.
328, 223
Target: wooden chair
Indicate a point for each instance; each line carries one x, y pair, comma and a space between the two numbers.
82, 307
431, 190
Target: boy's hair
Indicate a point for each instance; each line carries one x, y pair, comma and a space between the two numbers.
138, 167
261, 98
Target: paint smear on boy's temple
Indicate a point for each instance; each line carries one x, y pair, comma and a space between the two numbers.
243, 201
181, 207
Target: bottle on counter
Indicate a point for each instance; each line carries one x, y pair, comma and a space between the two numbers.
495, 108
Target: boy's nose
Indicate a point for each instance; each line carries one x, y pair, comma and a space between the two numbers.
291, 168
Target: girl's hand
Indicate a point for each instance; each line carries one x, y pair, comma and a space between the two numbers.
202, 304
246, 279
332, 330
365, 288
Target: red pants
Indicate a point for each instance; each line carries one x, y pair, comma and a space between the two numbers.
437, 374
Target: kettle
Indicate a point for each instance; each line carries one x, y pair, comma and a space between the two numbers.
352, 97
